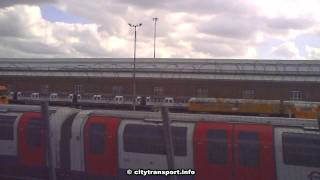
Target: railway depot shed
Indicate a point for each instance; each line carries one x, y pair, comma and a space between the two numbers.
221, 78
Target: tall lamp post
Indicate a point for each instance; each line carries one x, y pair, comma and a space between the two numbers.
154, 36
134, 63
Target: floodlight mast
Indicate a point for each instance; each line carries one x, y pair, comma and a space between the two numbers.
134, 64
155, 19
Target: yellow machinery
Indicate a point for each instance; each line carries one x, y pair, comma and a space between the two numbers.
3, 95
297, 109
300, 109
235, 106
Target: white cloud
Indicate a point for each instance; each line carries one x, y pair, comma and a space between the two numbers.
186, 28
287, 8
31, 36
313, 53
287, 50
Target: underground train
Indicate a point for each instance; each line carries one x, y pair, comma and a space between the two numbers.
255, 107
109, 144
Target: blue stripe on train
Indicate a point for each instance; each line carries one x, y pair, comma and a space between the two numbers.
125, 176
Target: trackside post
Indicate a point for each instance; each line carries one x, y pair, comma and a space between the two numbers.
167, 131
45, 115
318, 118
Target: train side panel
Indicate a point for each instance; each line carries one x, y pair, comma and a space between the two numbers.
297, 154
233, 151
253, 152
77, 145
60, 130
100, 143
141, 146
31, 144
213, 151
9, 142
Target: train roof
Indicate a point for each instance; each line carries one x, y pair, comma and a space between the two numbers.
155, 117
26, 108
186, 117
222, 69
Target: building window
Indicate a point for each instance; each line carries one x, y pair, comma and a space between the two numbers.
44, 88
77, 88
296, 95
117, 90
33, 133
6, 127
97, 138
158, 91
301, 149
249, 149
202, 92
248, 94
149, 139
217, 146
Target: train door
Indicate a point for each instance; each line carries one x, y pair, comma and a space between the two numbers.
253, 152
31, 140
100, 141
65, 141
213, 151
234, 152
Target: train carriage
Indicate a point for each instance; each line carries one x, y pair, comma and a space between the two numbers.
98, 144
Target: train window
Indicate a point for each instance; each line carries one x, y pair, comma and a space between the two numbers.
6, 127
217, 146
149, 139
301, 149
249, 149
179, 140
97, 138
33, 132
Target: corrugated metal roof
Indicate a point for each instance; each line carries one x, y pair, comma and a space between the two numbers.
271, 70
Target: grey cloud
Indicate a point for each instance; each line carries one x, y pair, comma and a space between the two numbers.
11, 47
6, 3
231, 27
193, 6
14, 24
287, 23
283, 52
286, 50
32, 46
219, 47
144, 3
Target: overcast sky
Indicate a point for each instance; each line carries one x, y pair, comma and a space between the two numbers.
255, 29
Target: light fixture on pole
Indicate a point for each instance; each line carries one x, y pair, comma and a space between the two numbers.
154, 36
134, 64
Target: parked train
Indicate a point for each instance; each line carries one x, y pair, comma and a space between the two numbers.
105, 144
299, 109
277, 108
